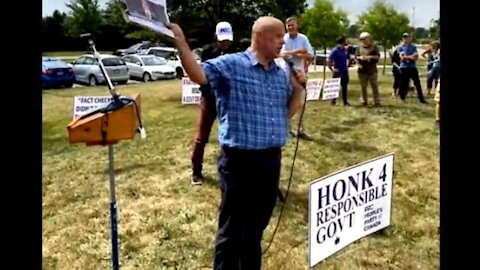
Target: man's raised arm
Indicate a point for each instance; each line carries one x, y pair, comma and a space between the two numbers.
189, 62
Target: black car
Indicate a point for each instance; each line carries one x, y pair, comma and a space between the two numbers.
352, 50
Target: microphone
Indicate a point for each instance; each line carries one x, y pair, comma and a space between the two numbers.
292, 65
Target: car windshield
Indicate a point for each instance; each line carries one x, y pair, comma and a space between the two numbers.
48, 59
53, 63
154, 61
112, 61
161, 53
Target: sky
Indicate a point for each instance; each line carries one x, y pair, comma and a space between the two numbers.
425, 10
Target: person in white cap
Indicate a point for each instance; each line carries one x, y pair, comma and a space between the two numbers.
367, 57
208, 111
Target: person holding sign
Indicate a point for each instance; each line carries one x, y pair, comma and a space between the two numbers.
338, 62
255, 98
367, 56
298, 49
208, 112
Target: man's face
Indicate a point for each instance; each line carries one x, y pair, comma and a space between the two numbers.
292, 27
272, 40
224, 44
365, 41
407, 40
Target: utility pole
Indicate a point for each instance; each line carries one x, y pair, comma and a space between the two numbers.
413, 17
413, 22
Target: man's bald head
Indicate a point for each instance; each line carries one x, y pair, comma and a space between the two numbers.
267, 36
266, 23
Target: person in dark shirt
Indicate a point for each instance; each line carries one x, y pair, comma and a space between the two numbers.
338, 62
367, 56
395, 57
208, 110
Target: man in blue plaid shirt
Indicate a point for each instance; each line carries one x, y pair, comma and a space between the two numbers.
255, 99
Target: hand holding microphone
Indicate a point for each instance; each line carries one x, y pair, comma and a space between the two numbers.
299, 74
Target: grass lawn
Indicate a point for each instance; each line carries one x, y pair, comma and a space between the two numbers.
164, 223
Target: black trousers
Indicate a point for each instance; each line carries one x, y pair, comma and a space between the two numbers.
405, 75
396, 78
344, 80
249, 183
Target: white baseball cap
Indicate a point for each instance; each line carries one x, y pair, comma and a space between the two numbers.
224, 31
364, 35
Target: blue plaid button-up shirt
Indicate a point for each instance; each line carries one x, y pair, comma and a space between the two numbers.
252, 103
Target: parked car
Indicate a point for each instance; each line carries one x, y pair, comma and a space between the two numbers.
352, 50
172, 57
87, 70
198, 52
149, 67
136, 48
321, 57
56, 72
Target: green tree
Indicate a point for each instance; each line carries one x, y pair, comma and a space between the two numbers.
282, 9
353, 31
385, 24
324, 25
421, 33
199, 17
84, 17
120, 33
434, 30
52, 33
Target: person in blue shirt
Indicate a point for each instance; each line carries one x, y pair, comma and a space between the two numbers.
338, 62
434, 72
298, 49
408, 68
255, 98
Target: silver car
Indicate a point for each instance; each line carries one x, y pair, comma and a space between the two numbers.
87, 71
149, 67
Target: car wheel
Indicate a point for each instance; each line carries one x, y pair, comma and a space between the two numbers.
147, 77
92, 81
179, 71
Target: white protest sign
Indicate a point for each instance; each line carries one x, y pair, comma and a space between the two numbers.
314, 86
348, 205
190, 92
149, 13
85, 104
331, 89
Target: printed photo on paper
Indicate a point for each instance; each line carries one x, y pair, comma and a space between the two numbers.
149, 13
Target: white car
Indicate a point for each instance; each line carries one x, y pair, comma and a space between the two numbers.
172, 57
148, 67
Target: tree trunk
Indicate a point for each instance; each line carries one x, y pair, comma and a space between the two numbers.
325, 61
384, 58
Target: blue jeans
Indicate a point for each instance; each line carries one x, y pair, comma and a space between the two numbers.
432, 77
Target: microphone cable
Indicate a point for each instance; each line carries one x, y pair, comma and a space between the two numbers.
284, 198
